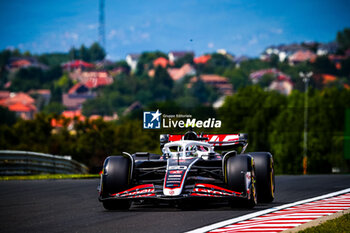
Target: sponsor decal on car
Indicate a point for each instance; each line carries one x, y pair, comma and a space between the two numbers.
138, 191
215, 139
175, 172
177, 168
213, 191
170, 176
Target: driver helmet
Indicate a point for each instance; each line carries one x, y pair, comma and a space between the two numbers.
190, 135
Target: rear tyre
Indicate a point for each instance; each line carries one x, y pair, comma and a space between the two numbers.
237, 167
115, 178
265, 176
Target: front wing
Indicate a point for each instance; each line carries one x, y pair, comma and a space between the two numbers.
150, 191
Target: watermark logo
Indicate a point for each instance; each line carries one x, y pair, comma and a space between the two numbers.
151, 120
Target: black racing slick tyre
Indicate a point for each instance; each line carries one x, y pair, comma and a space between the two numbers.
265, 176
237, 167
115, 178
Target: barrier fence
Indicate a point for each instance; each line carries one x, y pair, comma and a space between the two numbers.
29, 163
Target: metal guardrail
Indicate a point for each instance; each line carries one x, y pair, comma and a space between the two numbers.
27, 163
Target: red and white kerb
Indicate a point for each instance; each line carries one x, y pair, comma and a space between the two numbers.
291, 217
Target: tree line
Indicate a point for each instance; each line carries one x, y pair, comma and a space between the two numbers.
274, 123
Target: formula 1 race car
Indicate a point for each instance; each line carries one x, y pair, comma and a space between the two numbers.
189, 168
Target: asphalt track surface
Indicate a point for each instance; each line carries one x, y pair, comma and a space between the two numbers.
72, 206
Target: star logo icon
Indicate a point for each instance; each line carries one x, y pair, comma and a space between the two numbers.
155, 115
151, 120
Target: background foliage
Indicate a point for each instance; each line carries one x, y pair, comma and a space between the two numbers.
274, 122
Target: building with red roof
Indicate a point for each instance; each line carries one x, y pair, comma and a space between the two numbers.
282, 86
202, 59
256, 76
95, 79
161, 61
44, 95
221, 83
16, 63
19, 107
178, 73
67, 118
19, 97
282, 82
25, 111
4, 94
77, 64
328, 78
76, 96
22, 63
73, 114
302, 56
78, 88
92, 79
20, 103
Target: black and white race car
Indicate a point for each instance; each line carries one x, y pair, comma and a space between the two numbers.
190, 168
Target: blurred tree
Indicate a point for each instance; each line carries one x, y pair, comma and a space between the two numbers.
286, 136
29, 78
84, 53
97, 53
53, 59
123, 64
237, 77
53, 107
31, 135
16, 53
252, 110
343, 39
323, 65
146, 59
64, 83
26, 79
27, 54
217, 64
345, 68
161, 84
274, 60
98, 106
73, 54
203, 92
187, 59
266, 80
54, 73
4, 60
252, 65
7, 117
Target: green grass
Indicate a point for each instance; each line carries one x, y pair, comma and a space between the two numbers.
50, 176
338, 225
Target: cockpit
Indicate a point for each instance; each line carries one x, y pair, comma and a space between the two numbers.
187, 149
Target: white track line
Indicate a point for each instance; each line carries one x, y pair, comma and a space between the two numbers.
263, 212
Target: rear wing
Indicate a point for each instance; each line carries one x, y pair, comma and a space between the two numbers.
217, 140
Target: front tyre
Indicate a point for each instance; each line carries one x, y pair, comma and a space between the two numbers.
115, 178
239, 170
265, 176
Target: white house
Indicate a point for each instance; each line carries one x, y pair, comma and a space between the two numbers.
132, 60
